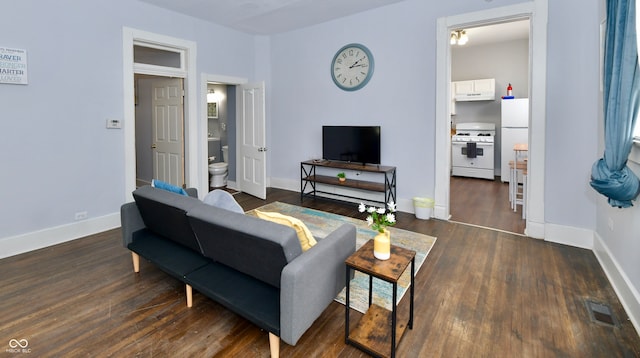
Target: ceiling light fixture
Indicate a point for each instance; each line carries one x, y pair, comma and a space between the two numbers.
458, 37
212, 96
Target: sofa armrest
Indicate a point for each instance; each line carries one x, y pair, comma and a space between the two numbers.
311, 281
131, 221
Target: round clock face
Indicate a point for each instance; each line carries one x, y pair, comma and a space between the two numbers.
352, 67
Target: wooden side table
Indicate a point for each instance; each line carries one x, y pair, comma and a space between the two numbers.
378, 331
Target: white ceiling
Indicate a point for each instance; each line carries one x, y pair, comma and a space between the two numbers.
267, 17
507, 31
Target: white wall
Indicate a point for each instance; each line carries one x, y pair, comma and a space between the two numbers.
572, 113
59, 157
617, 245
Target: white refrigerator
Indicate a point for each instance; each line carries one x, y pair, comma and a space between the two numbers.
515, 130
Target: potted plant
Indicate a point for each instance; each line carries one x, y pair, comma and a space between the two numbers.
341, 176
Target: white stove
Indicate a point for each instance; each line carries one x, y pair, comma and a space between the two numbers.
472, 150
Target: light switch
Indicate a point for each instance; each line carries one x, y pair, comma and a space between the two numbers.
114, 123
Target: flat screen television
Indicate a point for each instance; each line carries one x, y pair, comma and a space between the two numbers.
357, 144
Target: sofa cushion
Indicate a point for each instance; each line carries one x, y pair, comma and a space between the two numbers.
171, 257
247, 296
165, 214
250, 245
304, 235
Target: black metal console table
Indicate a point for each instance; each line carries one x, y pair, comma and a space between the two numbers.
309, 178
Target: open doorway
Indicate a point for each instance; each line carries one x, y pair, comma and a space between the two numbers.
537, 13
246, 149
221, 132
493, 58
159, 117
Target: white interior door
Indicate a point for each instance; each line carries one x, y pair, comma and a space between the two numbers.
252, 140
167, 127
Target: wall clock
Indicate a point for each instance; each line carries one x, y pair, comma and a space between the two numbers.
352, 67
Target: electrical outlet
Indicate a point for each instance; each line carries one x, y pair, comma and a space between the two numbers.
81, 215
114, 123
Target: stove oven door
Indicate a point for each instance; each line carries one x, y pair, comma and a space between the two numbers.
465, 163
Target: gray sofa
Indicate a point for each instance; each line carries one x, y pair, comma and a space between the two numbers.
251, 266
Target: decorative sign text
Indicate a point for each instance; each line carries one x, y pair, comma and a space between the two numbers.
13, 66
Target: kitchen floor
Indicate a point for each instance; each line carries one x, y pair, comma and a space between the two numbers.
485, 203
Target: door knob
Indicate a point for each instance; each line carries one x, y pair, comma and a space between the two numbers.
153, 146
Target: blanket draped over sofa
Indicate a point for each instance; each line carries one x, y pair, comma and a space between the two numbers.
253, 267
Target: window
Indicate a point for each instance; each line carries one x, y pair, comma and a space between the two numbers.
156, 56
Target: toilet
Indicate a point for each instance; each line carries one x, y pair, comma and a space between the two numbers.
219, 171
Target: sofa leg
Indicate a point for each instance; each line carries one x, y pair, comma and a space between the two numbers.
136, 262
189, 296
274, 345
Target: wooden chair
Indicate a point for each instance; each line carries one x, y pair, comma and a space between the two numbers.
513, 179
518, 192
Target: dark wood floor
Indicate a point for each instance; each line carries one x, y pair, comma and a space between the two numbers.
480, 293
484, 202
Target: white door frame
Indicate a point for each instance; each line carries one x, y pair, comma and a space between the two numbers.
536, 11
205, 79
191, 124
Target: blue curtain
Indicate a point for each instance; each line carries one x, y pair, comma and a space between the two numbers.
610, 175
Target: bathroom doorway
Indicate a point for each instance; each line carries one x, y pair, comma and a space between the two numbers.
221, 124
245, 119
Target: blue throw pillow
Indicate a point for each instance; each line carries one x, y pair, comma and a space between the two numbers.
168, 187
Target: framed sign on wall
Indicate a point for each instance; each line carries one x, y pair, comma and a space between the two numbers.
212, 110
13, 66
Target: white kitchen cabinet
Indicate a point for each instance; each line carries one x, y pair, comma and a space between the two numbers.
475, 90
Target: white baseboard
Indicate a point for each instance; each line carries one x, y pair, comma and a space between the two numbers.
535, 229
286, 184
439, 212
627, 293
567, 235
19, 244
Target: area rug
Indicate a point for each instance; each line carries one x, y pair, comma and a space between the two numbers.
321, 224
